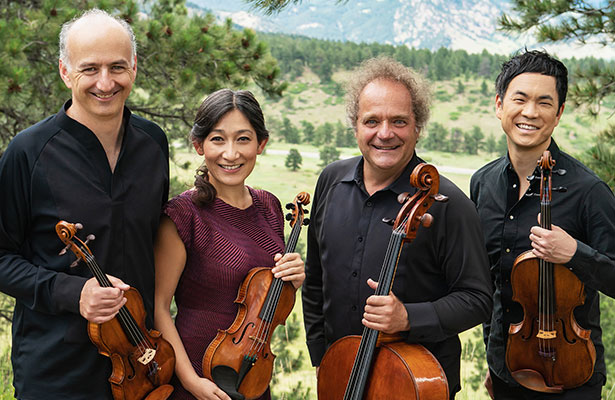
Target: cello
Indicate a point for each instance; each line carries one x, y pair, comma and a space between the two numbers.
142, 361
239, 359
385, 367
548, 351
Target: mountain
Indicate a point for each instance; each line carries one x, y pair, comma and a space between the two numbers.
456, 24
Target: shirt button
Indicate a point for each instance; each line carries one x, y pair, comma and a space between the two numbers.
508, 310
360, 239
508, 250
354, 274
369, 204
354, 308
514, 185
512, 217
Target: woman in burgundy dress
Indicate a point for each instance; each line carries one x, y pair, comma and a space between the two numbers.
213, 234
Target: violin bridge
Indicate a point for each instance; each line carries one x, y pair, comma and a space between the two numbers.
258, 339
147, 356
546, 334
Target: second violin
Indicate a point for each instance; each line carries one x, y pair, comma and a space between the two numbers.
239, 360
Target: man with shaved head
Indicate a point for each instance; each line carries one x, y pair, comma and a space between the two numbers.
93, 163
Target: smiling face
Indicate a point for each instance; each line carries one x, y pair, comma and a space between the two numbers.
230, 151
101, 70
386, 132
529, 112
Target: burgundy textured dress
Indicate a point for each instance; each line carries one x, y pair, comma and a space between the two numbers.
222, 244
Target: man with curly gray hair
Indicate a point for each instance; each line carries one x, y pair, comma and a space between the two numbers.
442, 286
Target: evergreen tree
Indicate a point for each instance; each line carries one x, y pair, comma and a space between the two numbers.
460, 87
181, 59
290, 132
583, 22
436, 137
328, 154
484, 89
308, 131
324, 134
293, 160
472, 141
490, 144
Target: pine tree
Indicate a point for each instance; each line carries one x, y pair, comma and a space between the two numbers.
328, 154
180, 60
293, 160
585, 23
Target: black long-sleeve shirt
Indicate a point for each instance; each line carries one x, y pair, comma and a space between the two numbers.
586, 211
442, 276
58, 170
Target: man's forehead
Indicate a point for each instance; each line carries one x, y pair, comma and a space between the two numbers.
533, 81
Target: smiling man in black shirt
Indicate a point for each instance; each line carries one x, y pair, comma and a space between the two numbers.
531, 94
95, 163
442, 282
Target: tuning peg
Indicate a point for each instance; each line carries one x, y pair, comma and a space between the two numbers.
74, 263
290, 206
427, 220
560, 189
403, 197
89, 238
78, 226
306, 221
531, 194
560, 172
531, 177
440, 198
64, 250
289, 217
388, 221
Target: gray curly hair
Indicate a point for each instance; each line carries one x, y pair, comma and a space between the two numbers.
387, 68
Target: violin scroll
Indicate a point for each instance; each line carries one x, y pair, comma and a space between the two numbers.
297, 213
66, 232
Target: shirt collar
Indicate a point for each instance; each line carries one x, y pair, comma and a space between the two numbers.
77, 129
553, 149
400, 184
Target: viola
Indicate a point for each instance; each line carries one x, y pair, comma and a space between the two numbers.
548, 351
239, 359
142, 361
379, 366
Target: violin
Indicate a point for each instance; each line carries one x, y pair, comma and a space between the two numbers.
142, 361
548, 351
239, 359
379, 366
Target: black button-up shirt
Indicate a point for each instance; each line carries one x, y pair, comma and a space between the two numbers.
586, 211
442, 276
58, 170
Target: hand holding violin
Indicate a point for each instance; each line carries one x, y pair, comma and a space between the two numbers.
554, 245
101, 304
290, 268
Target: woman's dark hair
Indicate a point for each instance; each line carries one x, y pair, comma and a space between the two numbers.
210, 112
534, 61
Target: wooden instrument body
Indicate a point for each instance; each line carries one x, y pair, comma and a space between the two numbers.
572, 352
400, 371
243, 336
130, 379
362, 367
